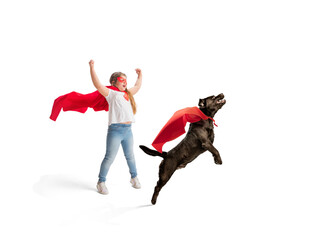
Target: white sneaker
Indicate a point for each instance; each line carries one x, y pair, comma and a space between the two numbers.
135, 183
102, 189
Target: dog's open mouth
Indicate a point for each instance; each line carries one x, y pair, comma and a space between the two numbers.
220, 99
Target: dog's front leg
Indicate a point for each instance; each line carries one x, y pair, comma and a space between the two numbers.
208, 146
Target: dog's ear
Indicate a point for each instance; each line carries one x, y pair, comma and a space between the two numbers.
201, 103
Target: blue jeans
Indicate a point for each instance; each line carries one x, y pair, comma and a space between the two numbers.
118, 134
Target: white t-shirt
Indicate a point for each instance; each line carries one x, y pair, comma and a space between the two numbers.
120, 110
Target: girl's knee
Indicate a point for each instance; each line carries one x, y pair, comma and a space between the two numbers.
108, 159
130, 157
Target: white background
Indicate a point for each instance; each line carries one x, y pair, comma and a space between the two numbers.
273, 60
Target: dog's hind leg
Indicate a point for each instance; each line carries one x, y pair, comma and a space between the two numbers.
166, 171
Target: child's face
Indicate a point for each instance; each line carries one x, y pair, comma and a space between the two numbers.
121, 83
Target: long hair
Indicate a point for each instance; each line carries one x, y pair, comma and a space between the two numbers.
113, 80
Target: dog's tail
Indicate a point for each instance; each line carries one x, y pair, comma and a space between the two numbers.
152, 152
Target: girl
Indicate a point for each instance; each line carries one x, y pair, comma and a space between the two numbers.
122, 108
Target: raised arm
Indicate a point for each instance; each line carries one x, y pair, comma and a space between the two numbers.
138, 83
101, 88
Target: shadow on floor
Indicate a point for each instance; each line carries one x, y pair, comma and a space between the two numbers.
59, 183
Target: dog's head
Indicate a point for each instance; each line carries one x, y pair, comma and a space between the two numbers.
212, 104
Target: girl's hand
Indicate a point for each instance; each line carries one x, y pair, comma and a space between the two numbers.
138, 71
91, 63
138, 83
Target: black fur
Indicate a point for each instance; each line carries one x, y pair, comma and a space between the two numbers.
199, 138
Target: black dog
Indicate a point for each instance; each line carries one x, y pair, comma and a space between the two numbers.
199, 138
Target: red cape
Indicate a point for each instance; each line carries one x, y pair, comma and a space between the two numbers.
176, 124
80, 102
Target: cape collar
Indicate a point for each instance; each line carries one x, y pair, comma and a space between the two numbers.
117, 89
213, 120
205, 116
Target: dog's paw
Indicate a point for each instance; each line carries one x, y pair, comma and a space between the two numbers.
218, 160
154, 200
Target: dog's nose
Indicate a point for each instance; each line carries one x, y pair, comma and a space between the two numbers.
220, 96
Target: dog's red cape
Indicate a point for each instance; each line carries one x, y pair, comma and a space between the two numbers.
176, 124
80, 102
